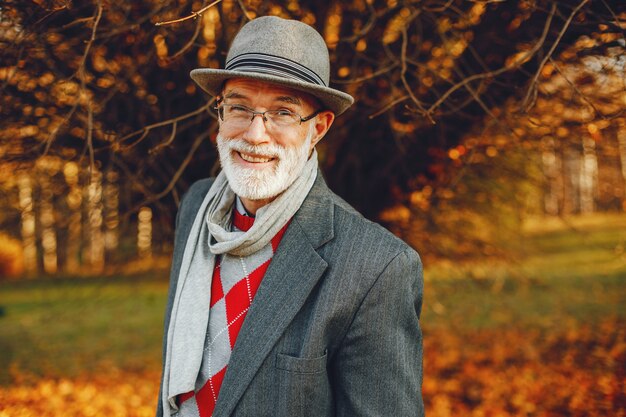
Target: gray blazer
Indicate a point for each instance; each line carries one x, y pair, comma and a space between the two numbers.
334, 328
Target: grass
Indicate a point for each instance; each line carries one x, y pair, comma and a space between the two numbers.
71, 326
570, 275
529, 304
572, 272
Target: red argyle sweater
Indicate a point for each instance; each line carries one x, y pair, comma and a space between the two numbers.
233, 287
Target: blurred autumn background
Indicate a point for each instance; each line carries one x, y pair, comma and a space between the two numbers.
490, 135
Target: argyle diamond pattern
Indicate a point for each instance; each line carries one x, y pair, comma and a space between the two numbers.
233, 287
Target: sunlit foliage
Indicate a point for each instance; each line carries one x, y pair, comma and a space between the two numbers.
100, 84
573, 373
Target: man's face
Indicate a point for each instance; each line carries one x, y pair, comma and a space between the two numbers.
260, 159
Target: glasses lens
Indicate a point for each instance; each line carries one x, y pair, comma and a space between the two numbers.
282, 117
236, 115
235, 112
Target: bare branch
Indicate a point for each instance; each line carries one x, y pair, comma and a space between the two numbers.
407, 87
488, 111
616, 19
188, 45
81, 67
53, 134
78, 22
577, 90
193, 15
366, 29
532, 89
145, 130
50, 13
196, 144
440, 9
367, 77
389, 105
501, 70
92, 160
81, 75
167, 142
134, 25
243, 9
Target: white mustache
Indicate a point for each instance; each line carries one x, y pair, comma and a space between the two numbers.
271, 150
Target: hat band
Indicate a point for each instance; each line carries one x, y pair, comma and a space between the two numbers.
273, 65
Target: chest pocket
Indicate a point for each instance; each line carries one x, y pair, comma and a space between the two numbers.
303, 386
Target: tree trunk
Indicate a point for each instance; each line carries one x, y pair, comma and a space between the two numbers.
588, 176
29, 239
111, 214
94, 214
621, 137
47, 221
144, 233
572, 162
74, 226
552, 168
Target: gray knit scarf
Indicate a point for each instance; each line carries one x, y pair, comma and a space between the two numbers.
211, 235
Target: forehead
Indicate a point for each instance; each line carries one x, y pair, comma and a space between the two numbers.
263, 92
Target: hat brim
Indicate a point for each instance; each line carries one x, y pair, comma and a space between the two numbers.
212, 80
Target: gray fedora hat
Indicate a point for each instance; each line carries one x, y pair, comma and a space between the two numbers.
285, 52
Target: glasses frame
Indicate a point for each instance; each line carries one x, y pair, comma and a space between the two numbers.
220, 113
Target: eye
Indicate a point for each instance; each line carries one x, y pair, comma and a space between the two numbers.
284, 113
237, 108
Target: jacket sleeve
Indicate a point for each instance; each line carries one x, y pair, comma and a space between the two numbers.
378, 368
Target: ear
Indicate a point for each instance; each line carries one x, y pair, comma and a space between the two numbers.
322, 121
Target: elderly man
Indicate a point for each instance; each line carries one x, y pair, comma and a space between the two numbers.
284, 301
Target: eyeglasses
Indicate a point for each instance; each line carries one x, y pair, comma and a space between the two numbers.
240, 116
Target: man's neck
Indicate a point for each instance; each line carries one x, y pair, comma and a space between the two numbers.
252, 206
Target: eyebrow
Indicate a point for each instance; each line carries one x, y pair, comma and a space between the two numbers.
234, 94
290, 100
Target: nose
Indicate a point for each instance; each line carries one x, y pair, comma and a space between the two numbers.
256, 133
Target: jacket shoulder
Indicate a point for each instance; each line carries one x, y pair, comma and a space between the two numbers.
188, 208
196, 193
192, 200
351, 221
365, 241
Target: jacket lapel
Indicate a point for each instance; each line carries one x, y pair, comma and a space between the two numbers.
295, 269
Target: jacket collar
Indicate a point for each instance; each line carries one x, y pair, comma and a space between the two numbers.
316, 215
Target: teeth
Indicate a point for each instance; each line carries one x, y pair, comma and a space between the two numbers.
252, 158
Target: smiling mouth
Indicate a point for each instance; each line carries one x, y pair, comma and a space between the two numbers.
255, 159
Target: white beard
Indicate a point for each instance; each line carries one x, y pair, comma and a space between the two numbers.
261, 184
